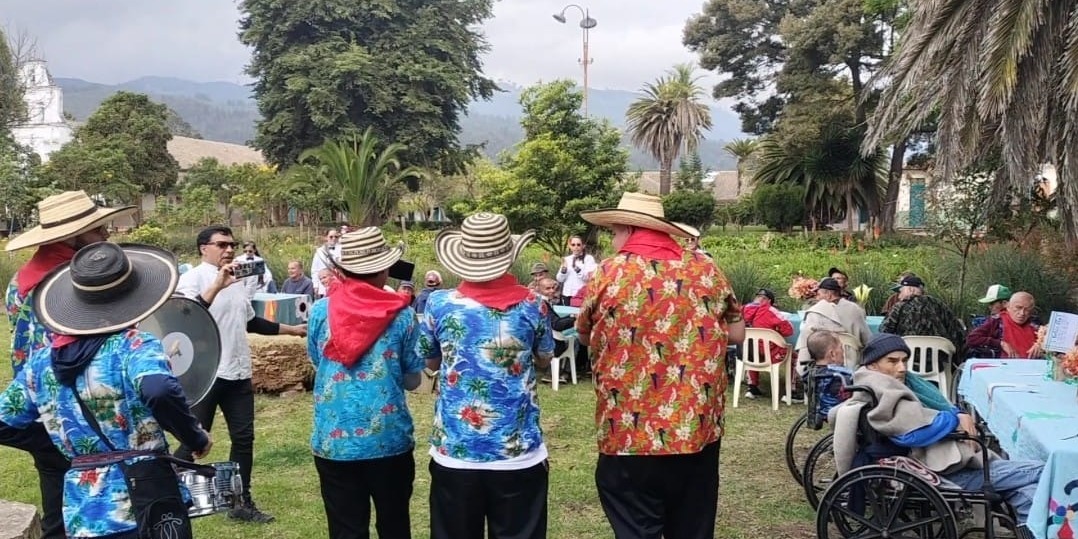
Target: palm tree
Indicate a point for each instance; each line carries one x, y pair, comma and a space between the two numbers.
740, 149
668, 119
370, 182
998, 72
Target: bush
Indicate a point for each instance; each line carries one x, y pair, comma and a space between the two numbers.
780, 206
149, 235
696, 208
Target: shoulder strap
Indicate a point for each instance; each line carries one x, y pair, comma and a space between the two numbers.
89, 416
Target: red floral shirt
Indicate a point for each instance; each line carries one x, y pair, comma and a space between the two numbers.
658, 336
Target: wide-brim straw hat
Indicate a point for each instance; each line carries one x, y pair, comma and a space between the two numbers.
64, 216
106, 288
689, 229
637, 210
482, 250
365, 251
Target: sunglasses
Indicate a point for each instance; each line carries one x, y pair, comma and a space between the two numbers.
224, 244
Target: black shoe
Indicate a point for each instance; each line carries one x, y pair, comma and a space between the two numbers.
753, 392
248, 512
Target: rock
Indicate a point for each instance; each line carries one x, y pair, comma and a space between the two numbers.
19, 521
279, 363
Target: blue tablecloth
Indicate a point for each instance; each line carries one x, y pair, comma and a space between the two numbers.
565, 310
795, 320
1034, 419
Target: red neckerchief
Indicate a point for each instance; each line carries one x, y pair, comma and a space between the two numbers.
47, 258
501, 293
358, 315
652, 244
1020, 337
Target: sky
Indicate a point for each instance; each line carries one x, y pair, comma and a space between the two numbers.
113, 41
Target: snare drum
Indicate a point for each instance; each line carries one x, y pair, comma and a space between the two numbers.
215, 494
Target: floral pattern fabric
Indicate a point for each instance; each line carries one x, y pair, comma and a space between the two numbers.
658, 338
27, 334
96, 502
360, 412
487, 408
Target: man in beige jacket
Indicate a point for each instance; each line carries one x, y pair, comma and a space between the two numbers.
833, 313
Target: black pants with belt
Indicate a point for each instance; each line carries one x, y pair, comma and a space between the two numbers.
236, 398
654, 497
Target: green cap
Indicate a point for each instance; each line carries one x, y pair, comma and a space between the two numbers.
996, 292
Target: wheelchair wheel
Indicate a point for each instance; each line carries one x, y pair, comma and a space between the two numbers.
799, 443
878, 501
819, 471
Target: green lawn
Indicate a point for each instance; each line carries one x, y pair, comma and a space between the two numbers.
758, 497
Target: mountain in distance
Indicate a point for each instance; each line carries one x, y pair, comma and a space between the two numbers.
226, 112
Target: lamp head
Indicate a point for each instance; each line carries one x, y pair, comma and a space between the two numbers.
560, 17
588, 23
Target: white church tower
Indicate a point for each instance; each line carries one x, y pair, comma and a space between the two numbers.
45, 129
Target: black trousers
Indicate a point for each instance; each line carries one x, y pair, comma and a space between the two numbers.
51, 467
512, 504
349, 486
654, 497
236, 398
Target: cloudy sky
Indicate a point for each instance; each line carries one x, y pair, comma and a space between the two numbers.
112, 41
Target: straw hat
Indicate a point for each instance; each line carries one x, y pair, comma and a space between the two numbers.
64, 216
364, 251
638, 210
689, 229
105, 288
482, 250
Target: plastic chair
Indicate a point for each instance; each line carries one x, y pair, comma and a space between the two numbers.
754, 359
927, 361
569, 354
852, 350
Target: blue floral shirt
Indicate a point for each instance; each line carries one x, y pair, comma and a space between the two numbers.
360, 412
487, 408
27, 334
95, 500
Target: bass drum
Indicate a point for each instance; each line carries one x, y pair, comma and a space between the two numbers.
191, 341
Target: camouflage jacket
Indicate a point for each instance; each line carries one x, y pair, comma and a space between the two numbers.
925, 315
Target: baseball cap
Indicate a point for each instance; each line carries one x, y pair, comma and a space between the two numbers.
538, 267
996, 292
829, 283
767, 294
912, 280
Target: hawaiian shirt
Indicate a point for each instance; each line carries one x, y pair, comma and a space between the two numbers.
27, 334
658, 341
487, 408
360, 412
95, 499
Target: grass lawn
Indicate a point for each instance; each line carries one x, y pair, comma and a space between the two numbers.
758, 496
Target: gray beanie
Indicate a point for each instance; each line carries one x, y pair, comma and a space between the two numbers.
880, 345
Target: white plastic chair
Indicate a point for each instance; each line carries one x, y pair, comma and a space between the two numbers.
753, 359
927, 361
851, 350
569, 355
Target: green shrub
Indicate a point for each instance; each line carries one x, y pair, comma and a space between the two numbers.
696, 208
779, 206
149, 235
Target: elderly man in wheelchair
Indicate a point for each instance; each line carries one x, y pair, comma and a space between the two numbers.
908, 459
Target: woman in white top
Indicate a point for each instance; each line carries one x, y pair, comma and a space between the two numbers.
576, 269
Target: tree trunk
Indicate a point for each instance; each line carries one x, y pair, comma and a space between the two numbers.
738, 178
894, 181
664, 175
851, 220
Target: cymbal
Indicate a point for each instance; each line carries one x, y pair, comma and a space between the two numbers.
191, 341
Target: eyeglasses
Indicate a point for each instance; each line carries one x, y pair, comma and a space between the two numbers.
224, 244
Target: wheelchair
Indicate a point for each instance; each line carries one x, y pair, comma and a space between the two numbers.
892, 496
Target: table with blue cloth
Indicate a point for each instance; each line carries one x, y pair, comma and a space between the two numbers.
1034, 419
795, 320
565, 310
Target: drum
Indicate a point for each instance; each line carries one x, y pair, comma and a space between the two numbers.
215, 494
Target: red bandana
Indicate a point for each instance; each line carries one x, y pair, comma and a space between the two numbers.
653, 245
358, 315
501, 293
47, 258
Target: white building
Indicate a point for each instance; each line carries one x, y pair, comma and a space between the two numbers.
45, 129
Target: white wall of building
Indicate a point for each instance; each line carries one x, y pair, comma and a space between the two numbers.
45, 130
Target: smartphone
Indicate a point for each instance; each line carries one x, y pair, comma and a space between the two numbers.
247, 269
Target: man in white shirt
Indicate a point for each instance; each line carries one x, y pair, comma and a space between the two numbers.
324, 256
576, 269
212, 284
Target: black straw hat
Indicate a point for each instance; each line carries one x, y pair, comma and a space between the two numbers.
106, 288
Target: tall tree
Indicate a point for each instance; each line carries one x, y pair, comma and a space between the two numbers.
1009, 79
370, 179
12, 106
740, 149
668, 119
331, 69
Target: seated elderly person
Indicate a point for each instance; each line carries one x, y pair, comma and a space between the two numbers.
916, 420
917, 313
832, 313
1010, 334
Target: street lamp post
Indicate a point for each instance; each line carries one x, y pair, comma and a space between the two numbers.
586, 24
